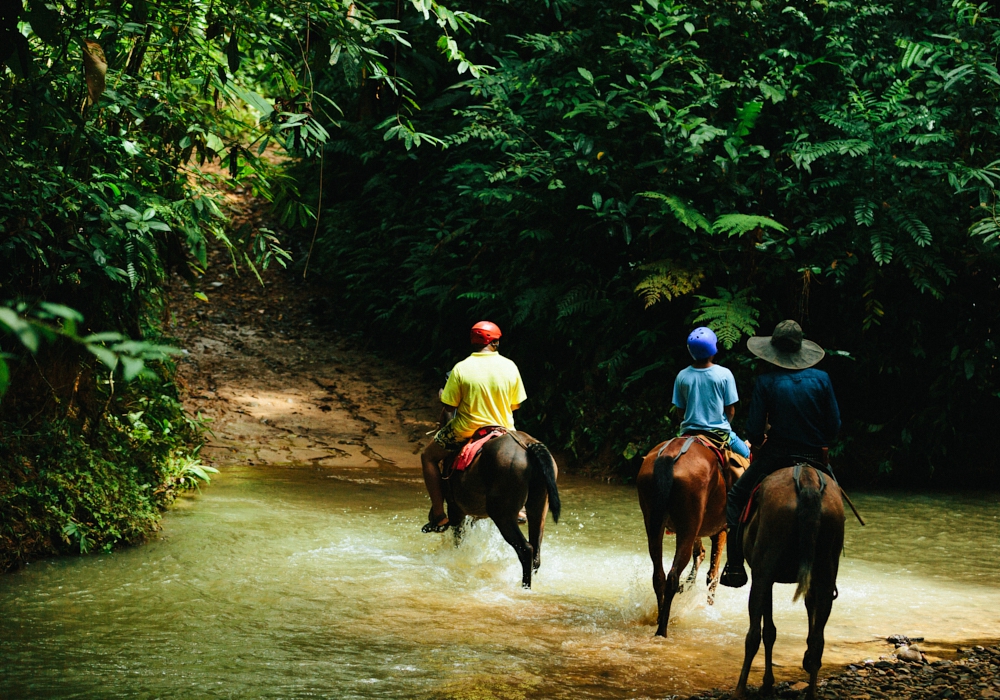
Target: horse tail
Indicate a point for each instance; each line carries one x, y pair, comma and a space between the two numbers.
663, 481
540, 457
807, 512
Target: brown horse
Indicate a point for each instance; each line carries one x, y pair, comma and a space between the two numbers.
682, 487
513, 471
795, 536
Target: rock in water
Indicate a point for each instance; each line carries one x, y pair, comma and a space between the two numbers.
909, 653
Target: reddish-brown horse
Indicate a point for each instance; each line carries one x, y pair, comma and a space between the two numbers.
682, 487
795, 536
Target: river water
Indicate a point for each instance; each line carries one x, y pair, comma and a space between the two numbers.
316, 583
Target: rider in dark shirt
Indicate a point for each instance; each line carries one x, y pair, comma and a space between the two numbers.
796, 407
799, 405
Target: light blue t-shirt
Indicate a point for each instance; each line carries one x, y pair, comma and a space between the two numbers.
703, 394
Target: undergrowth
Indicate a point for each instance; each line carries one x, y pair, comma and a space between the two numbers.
68, 486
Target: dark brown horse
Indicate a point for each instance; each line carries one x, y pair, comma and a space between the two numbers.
795, 536
513, 471
685, 494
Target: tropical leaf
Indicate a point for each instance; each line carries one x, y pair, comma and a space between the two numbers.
668, 280
685, 213
988, 229
864, 211
729, 315
582, 299
738, 224
882, 247
95, 67
917, 229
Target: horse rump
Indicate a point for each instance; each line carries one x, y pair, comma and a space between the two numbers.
541, 459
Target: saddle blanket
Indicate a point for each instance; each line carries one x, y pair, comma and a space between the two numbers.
750, 507
727, 458
475, 445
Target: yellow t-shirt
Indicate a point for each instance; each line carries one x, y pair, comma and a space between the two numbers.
483, 387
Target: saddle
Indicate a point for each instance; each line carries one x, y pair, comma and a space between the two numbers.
731, 464
471, 449
821, 471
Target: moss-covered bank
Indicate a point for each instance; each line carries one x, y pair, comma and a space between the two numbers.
69, 485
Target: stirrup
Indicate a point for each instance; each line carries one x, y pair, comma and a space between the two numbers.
439, 525
733, 577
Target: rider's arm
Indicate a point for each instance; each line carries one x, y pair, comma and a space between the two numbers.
757, 414
730, 412
447, 413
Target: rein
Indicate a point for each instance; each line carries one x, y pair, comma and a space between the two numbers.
821, 472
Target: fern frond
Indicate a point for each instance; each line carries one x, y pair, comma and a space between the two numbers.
825, 224
882, 248
534, 301
668, 281
738, 224
685, 213
582, 299
917, 229
729, 315
864, 211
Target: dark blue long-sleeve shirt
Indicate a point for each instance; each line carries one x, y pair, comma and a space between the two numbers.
798, 404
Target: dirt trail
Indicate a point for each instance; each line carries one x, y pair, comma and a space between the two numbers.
279, 389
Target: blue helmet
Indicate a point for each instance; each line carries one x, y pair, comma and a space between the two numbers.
702, 343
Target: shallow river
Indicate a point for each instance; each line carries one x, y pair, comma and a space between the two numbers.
305, 582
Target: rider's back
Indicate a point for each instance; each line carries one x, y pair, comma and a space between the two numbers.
484, 388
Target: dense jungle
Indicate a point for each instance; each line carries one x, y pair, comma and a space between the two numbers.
596, 178
214, 207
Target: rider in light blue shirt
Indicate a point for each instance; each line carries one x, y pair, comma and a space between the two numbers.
706, 392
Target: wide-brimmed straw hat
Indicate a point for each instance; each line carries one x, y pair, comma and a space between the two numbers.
786, 347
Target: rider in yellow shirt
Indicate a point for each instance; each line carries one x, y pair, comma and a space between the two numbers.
483, 389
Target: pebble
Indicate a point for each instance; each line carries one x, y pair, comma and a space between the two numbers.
976, 675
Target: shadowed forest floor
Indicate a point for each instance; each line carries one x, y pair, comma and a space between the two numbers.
278, 388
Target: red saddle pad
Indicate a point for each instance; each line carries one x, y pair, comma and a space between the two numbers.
474, 446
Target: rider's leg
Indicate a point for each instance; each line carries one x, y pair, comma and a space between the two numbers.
430, 458
737, 445
734, 575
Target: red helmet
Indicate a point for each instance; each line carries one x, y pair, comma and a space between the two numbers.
484, 333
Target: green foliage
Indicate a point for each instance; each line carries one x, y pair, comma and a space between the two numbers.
667, 281
51, 321
121, 122
824, 145
834, 162
66, 489
730, 315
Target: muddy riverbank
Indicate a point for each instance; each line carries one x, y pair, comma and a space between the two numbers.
974, 673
